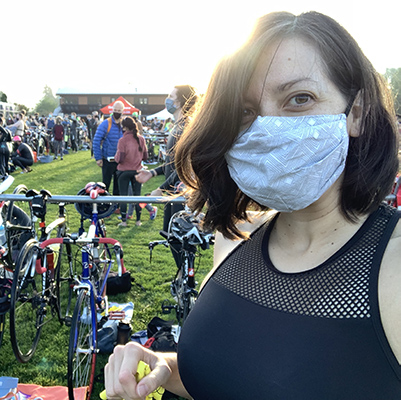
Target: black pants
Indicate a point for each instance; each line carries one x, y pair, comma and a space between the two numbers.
4, 157
22, 162
124, 179
109, 172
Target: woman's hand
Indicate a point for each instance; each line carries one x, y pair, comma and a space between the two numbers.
120, 372
143, 176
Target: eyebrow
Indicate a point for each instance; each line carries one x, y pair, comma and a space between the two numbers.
288, 85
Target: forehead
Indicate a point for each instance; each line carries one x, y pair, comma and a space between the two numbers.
118, 106
174, 93
286, 62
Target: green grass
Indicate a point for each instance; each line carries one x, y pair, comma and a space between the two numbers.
48, 366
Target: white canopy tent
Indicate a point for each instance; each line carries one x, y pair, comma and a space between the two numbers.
161, 115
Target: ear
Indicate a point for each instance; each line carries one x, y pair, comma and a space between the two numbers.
355, 116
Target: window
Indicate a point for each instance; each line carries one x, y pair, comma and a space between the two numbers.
143, 100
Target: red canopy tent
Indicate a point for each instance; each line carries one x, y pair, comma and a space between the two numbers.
128, 107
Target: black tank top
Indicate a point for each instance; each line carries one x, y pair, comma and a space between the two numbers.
258, 333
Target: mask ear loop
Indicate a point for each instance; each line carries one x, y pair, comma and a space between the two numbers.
349, 106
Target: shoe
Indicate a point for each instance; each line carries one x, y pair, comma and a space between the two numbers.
123, 224
128, 217
153, 213
117, 211
138, 223
61, 158
28, 169
54, 158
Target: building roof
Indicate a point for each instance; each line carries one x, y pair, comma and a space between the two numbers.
128, 89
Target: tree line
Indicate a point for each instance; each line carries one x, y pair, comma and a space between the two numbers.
49, 102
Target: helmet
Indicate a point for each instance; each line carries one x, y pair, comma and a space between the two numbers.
104, 209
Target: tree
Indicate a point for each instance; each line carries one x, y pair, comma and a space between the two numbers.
3, 97
393, 78
48, 103
21, 107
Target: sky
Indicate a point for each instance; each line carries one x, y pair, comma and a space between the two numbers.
157, 44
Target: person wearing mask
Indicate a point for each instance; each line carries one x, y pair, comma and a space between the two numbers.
179, 103
22, 156
105, 141
304, 302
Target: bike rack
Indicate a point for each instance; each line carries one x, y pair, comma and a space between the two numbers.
100, 200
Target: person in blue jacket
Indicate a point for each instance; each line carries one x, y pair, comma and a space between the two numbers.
105, 146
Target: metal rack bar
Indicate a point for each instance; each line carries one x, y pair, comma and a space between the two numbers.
101, 199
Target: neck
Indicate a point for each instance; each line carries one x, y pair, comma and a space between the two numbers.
178, 114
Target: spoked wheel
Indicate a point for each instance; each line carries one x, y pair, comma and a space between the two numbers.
27, 310
2, 327
189, 303
19, 225
64, 276
82, 346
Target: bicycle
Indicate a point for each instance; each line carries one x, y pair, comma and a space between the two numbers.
97, 261
16, 227
39, 283
185, 227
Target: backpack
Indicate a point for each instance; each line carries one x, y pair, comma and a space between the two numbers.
110, 122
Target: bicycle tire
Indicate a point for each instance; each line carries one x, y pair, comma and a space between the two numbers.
82, 346
65, 282
189, 303
27, 306
19, 213
2, 327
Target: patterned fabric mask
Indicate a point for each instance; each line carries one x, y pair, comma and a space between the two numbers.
287, 163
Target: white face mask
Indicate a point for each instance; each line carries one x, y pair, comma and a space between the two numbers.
287, 163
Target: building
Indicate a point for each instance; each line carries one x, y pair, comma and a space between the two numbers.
83, 102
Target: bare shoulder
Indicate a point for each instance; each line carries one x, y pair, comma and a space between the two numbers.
390, 292
223, 246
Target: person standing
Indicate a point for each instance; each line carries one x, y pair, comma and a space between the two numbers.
58, 136
131, 151
5, 139
105, 143
179, 103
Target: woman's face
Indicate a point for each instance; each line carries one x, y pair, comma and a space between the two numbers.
290, 80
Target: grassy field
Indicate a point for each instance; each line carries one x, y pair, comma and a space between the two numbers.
48, 367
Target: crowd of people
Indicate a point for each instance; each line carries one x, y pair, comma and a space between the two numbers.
117, 144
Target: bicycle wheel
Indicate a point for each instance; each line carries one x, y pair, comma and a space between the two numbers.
19, 226
189, 302
82, 346
64, 282
27, 309
2, 327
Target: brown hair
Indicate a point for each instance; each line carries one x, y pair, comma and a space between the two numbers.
130, 124
372, 161
186, 95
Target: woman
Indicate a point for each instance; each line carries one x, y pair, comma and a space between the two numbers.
309, 308
131, 151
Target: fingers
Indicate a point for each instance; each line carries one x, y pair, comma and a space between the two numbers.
120, 373
143, 176
120, 379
